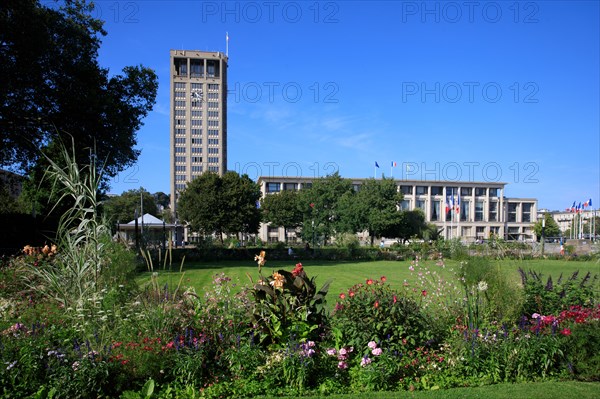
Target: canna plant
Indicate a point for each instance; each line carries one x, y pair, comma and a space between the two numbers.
287, 306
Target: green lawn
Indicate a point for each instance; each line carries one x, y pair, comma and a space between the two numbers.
346, 274
537, 390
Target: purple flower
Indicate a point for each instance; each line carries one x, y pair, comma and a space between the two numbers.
535, 316
365, 360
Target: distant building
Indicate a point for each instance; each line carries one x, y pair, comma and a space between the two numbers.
198, 116
483, 210
573, 221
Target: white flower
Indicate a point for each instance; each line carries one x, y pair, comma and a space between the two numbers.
482, 286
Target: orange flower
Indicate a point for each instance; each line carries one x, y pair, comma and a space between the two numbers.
260, 259
383, 279
342, 296
376, 305
278, 280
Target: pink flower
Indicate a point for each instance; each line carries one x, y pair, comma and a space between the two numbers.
424, 292
365, 360
383, 279
343, 352
331, 352
535, 316
377, 351
342, 365
411, 268
372, 345
342, 296
369, 281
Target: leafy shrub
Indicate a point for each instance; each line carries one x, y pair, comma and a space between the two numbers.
375, 312
552, 297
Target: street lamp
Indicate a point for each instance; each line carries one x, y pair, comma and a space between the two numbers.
543, 230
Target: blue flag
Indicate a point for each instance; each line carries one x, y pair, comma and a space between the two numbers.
376, 164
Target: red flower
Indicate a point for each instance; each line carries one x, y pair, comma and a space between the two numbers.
395, 299
369, 281
424, 292
383, 279
342, 296
566, 332
297, 270
351, 293
376, 304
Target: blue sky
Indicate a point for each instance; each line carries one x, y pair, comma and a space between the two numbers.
476, 91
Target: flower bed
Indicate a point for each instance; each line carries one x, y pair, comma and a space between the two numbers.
277, 337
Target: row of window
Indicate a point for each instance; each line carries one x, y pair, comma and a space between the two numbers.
455, 212
180, 86
196, 130
526, 208
454, 191
276, 187
196, 68
197, 159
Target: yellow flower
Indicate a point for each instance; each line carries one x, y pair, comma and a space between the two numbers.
278, 280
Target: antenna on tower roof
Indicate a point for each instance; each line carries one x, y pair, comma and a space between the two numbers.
226, 44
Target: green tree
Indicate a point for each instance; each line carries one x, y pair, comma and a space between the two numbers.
162, 200
282, 209
551, 229
376, 207
411, 224
321, 206
211, 204
122, 208
53, 86
242, 196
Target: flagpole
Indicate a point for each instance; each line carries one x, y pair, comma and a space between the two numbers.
459, 233
451, 205
227, 44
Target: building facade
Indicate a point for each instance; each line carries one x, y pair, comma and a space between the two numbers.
198, 116
466, 210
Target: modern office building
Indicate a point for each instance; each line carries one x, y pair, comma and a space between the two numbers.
198, 116
466, 210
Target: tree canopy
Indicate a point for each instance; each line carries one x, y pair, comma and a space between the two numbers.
282, 209
375, 207
213, 204
122, 208
53, 86
551, 229
321, 206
